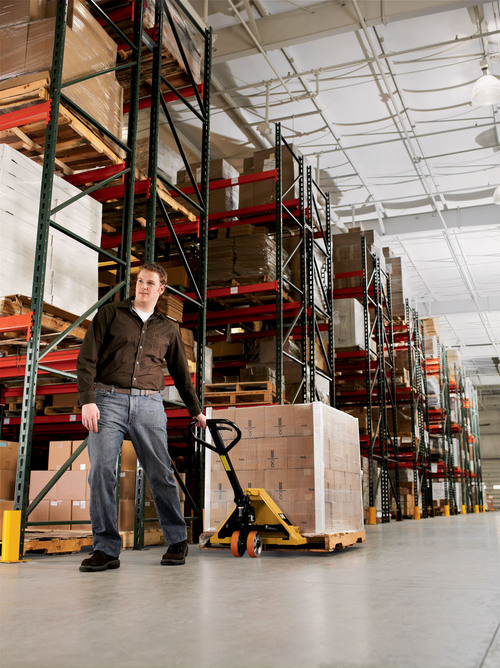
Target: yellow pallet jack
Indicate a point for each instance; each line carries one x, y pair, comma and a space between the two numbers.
256, 522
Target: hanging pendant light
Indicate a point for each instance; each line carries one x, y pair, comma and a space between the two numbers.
486, 90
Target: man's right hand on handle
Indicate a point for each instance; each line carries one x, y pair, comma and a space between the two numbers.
90, 416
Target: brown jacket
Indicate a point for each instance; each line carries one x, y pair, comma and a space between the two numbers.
119, 349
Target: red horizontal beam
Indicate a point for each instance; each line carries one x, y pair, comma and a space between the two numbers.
248, 314
117, 192
161, 232
15, 119
13, 323
94, 175
270, 286
228, 183
185, 91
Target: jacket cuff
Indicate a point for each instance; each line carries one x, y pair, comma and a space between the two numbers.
86, 397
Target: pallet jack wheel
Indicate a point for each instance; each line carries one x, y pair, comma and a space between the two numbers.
237, 544
254, 544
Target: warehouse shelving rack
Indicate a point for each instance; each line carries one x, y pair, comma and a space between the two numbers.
381, 442
319, 267
136, 42
415, 397
442, 425
290, 311
478, 487
467, 439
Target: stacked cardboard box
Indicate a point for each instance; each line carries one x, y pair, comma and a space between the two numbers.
246, 259
263, 192
192, 42
221, 199
305, 456
348, 256
8, 464
27, 38
71, 272
349, 324
399, 285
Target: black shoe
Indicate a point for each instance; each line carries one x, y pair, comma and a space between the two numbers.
99, 561
176, 554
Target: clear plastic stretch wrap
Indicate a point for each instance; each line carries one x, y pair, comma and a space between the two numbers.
192, 41
247, 258
27, 41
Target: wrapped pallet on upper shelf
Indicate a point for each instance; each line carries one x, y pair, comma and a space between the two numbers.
263, 192
399, 285
244, 259
348, 256
71, 277
27, 38
220, 199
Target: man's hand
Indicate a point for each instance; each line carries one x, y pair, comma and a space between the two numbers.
201, 420
90, 416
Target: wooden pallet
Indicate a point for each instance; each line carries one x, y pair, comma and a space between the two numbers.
229, 394
151, 537
330, 542
54, 321
78, 146
56, 542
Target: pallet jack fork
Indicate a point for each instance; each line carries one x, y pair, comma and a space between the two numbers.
256, 521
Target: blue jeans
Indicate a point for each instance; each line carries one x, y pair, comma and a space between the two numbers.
144, 419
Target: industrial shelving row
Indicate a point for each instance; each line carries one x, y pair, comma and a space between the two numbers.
455, 427
139, 208
376, 361
472, 490
285, 305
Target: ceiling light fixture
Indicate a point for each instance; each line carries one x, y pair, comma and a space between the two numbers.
496, 196
486, 90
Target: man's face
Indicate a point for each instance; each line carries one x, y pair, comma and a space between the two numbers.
147, 290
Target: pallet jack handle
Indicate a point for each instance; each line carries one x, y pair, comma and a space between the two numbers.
215, 427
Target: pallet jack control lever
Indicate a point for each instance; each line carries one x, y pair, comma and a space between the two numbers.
215, 427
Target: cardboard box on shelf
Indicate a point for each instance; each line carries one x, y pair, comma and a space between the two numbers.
349, 325
28, 48
307, 460
60, 511
82, 462
8, 454
40, 514
7, 483
129, 457
59, 453
80, 511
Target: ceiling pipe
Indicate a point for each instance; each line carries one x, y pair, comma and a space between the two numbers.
462, 270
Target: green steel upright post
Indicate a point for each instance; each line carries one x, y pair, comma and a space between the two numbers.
414, 389
149, 252
33, 349
391, 393
154, 124
279, 269
199, 453
372, 432
331, 321
129, 190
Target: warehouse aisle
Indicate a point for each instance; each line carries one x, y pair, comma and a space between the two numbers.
418, 594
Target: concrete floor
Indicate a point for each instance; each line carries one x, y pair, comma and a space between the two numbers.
422, 594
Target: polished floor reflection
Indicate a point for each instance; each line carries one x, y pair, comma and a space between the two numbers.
417, 594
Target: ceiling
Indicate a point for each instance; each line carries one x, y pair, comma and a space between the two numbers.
376, 94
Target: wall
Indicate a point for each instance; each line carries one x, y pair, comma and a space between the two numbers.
489, 429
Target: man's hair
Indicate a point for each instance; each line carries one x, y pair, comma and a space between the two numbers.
158, 269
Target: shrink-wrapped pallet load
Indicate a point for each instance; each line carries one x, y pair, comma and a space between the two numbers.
305, 456
71, 278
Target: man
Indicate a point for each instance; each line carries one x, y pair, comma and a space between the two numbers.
120, 377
